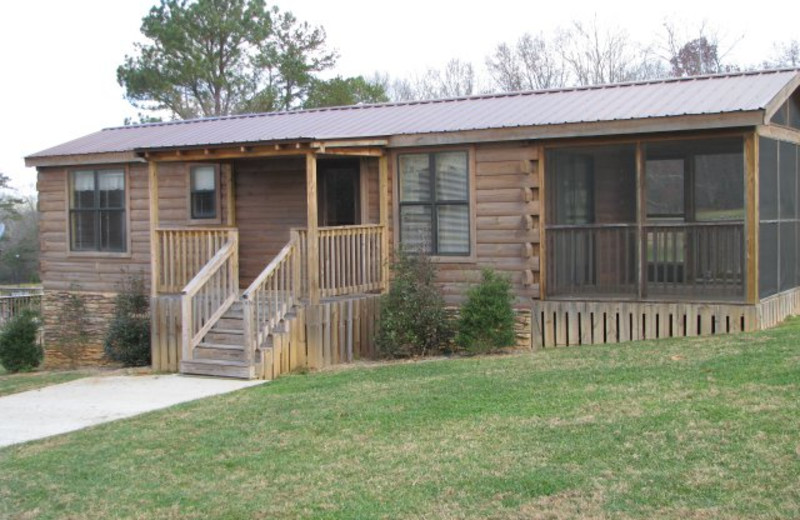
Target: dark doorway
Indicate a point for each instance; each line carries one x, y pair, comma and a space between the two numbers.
338, 181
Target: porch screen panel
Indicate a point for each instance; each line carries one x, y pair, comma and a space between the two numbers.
591, 231
694, 229
719, 185
779, 226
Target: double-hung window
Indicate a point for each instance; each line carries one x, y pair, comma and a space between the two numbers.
434, 202
203, 192
97, 211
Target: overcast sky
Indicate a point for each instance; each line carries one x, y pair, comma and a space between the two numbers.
58, 59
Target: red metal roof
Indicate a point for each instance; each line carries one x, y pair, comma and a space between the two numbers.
716, 94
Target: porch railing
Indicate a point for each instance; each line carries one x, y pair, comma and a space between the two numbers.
12, 305
695, 259
182, 252
209, 294
272, 295
592, 259
351, 259
686, 260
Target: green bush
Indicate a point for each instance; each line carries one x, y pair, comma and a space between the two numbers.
19, 346
413, 320
128, 337
486, 320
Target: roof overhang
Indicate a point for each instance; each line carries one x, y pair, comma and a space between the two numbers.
592, 129
346, 147
83, 159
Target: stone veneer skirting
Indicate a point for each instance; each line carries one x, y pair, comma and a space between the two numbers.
99, 313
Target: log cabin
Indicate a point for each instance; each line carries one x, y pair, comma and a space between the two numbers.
619, 212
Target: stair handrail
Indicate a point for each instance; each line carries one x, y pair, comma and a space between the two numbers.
274, 292
209, 294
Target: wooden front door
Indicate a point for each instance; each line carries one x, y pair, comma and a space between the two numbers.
338, 182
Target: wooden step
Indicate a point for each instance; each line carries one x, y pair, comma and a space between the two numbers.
225, 337
235, 323
216, 351
218, 368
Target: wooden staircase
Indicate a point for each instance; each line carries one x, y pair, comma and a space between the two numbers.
222, 351
264, 331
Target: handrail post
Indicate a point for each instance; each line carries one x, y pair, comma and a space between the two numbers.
250, 333
296, 260
233, 236
187, 326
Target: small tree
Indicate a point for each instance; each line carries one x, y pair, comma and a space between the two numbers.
128, 337
413, 319
19, 347
73, 329
486, 320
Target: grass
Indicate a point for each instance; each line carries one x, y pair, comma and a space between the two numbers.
683, 429
20, 382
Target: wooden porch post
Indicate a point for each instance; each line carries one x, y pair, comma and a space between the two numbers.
641, 216
155, 267
313, 228
751, 216
155, 261
383, 197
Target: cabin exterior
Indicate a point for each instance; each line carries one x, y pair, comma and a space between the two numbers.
619, 212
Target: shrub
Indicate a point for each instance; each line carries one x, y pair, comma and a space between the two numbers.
19, 346
413, 320
128, 337
73, 328
486, 320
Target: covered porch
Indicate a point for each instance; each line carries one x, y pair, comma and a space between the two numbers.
300, 229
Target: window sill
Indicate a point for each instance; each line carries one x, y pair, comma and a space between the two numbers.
204, 221
439, 259
97, 254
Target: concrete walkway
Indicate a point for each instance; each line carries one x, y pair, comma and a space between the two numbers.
94, 400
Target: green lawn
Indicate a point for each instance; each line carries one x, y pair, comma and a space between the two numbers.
13, 383
675, 429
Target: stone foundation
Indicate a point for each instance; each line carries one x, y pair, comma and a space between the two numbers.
522, 327
99, 313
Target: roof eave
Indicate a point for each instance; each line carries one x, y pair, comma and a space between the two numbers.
82, 159
585, 129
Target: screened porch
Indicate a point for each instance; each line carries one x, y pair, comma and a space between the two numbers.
655, 220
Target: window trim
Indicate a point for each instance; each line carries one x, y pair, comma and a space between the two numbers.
70, 253
217, 220
394, 171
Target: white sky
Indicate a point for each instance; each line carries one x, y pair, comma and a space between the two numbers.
58, 58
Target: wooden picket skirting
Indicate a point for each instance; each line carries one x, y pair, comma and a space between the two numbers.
342, 330
332, 333
568, 323
166, 342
